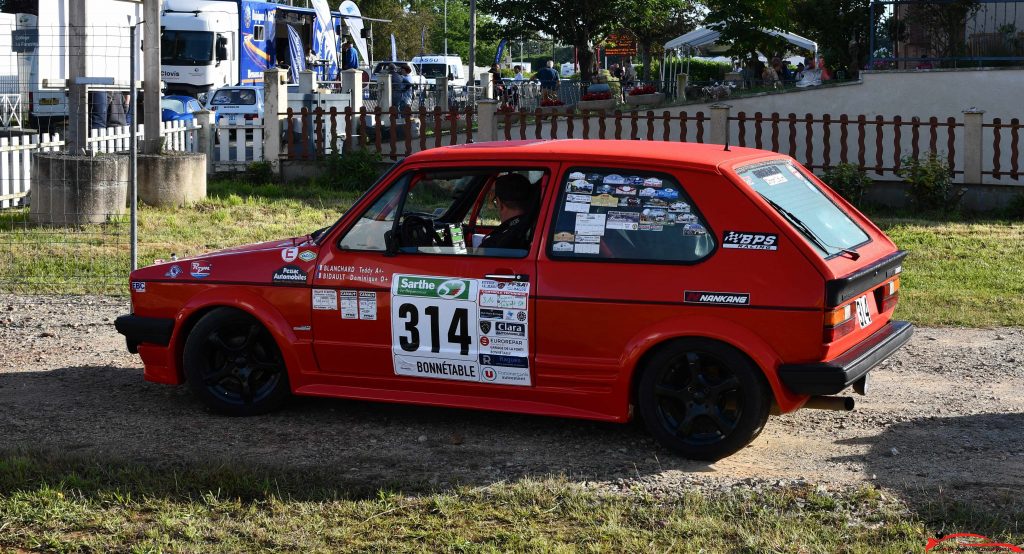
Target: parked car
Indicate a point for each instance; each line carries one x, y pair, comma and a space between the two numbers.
695, 286
178, 108
417, 79
236, 104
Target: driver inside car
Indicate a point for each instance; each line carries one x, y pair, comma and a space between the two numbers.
514, 197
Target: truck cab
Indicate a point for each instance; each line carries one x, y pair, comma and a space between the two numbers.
198, 46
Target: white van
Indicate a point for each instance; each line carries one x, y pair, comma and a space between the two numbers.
436, 66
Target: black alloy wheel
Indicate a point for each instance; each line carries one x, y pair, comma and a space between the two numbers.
703, 399
234, 365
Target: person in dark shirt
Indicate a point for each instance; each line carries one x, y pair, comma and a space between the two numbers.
349, 60
514, 196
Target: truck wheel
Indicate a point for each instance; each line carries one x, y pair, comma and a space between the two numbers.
703, 399
233, 364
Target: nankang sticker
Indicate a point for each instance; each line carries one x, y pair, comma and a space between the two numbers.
750, 241
139, 286
720, 298
307, 255
289, 274
443, 328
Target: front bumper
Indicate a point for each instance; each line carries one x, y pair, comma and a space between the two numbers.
833, 376
149, 330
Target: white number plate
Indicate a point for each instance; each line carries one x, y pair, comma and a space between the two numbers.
863, 312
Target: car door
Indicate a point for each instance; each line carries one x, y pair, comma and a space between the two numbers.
388, 313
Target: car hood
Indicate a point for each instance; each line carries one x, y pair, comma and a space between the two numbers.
288, 261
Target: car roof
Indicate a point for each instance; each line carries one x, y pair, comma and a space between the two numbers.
579, 151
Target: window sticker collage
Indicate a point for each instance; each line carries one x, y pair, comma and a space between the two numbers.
595, 203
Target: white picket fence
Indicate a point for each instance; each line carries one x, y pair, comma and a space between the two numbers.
237, 146
177, 135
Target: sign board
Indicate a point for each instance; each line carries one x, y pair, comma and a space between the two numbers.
24, 40
620, 44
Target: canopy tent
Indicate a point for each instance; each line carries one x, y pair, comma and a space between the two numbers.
704, 36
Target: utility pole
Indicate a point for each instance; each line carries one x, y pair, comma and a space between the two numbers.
151, 75
78, 100
472, 40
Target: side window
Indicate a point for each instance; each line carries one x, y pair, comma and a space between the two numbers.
623, 214
379, 218
257, 32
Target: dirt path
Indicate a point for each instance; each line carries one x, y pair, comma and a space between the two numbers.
945, 414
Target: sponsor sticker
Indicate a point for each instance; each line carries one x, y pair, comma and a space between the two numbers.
201, 270
667, 194
693, 229
506, 361
647, 192
589, 239
580, 187
490, 313
770, 175
289, 254
433, 287
584, 248
173, 272
614, 179
719, 298
680, 207
307, 255
604, 201
590, 224
743, 240
628, 221
652, 182
562, 247
577, 176
325, 299
564, 236
289, 274
139, 286
367, 305
349, 304
625, 190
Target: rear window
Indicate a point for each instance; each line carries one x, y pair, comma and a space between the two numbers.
616, 214
433, 70
234, 96
827, 227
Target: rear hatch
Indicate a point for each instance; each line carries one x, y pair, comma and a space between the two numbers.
861, 265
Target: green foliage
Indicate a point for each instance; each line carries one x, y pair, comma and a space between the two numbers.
653, 22
1015, 208
259, 172
849, 180
929, 180
705, 70
840, 27
742, 20
353, 171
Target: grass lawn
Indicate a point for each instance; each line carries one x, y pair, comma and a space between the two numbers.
86, 506
959, 272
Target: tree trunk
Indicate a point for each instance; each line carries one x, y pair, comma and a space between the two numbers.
645, 58
586, 59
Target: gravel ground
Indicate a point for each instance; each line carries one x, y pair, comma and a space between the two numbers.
945, 416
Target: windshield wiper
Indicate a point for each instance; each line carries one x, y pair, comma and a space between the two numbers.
799, 224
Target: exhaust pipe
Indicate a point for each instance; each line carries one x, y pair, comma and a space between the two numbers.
835, 403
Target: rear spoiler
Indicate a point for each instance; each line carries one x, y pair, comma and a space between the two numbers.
838, 291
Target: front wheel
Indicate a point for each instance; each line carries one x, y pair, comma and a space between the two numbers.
703, 399
233, 364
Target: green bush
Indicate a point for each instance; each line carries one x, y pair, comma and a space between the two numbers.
849, 180
1015, 209
353, 171
258, 173
929, 180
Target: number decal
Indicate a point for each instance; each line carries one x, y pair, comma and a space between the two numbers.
435, 344
863, 312
412, 343
458, 331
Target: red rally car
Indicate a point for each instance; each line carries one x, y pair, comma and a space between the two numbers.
696, 286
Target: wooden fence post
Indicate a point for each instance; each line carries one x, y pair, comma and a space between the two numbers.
720, 123
487, 123
972, 145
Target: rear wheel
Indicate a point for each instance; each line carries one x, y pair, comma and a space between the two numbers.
233, 364
703, 399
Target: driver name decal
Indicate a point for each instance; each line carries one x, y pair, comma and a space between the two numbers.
460, 329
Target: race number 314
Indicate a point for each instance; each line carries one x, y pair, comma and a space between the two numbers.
422, 327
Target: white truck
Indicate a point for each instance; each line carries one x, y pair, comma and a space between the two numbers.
433, 66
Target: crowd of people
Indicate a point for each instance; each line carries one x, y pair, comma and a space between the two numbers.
811, 72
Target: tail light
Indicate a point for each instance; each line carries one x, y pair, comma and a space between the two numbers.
890, 293
839, 322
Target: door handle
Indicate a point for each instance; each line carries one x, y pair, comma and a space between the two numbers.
508, 277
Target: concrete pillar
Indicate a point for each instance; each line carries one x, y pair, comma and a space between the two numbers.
306, 80
205, 136
487, 123
682, 80
78, 101
384, 91
720, 123
352, 83
151, 75
441, 84
486, 85
275, 102
972, 145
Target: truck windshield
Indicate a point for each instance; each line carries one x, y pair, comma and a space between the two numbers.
825, 225
186, 47
433, 70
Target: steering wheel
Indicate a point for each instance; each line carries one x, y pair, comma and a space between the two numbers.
417, 230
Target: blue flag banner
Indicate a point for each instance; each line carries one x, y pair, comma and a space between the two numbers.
501, 50
326, 42
298, 61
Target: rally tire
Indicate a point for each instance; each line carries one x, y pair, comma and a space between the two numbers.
703, 399
233, 365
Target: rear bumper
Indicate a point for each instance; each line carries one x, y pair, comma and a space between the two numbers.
138, 330
833, 376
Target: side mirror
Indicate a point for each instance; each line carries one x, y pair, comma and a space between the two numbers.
222, 48
390, 244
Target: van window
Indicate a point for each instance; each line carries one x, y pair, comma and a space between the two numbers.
433, 70
804, 206
627, 215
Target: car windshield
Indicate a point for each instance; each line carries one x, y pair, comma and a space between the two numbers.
186, 48
827, 227
234, 96
172, 104
433, 70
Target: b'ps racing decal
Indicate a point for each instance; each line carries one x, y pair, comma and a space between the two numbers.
750, 241
720, 298
460, 329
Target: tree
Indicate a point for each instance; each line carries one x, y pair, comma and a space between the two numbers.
741, 23
575, 22
942, 25
20, 6
653, 22
840, 27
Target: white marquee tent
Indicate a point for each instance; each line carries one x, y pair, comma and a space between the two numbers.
704, 36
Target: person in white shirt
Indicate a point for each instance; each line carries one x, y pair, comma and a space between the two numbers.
519, 73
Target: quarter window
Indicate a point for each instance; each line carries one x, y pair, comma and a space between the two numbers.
622, 214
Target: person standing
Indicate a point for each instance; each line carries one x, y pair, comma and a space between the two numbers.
349, 60
628, 74
117, 114
406, 86
548, 78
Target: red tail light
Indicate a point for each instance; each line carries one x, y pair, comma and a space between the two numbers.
890, 295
